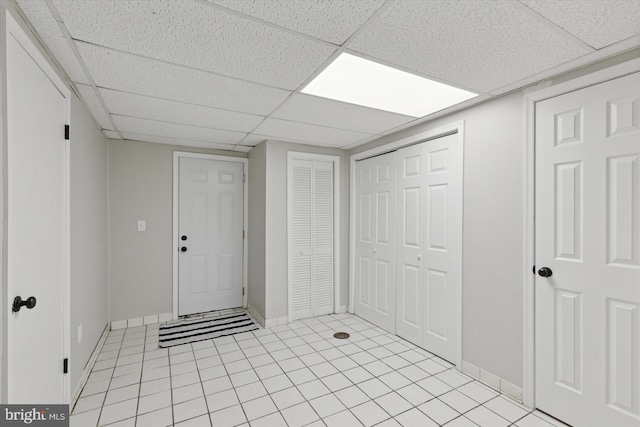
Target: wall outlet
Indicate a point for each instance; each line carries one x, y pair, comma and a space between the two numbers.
142, 225
80, 333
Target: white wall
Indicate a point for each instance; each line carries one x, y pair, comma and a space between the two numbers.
140, 263
256, 232
89, 237
276, 278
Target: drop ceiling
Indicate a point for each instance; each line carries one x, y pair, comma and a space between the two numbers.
228, 74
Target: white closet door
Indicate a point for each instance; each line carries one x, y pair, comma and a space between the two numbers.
311, 245
322, 220
411, 225
442, 248
300, 172
429, 245
375, 268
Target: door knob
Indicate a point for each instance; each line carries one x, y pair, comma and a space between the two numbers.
183, 249
18, 303
183, 238
545, 272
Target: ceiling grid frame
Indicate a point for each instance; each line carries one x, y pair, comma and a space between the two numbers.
74, 49
312, 114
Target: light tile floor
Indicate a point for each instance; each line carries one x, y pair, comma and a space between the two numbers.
290, 375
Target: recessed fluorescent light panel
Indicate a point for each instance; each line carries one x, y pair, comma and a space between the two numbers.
359, 81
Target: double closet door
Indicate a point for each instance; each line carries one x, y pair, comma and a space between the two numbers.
408, 243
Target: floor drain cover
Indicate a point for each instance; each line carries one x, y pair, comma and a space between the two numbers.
341, 335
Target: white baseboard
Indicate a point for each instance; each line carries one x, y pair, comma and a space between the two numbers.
493, 381
140, 321
343, 309
256, 315
276, 321
89, 366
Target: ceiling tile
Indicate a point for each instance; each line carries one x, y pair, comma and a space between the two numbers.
93, 102
45, 24
326, 112
172, 130
597, 23
197, 35
494, 43
111, 134
176, 141
128, 104
130, 73
306, 133
332, 21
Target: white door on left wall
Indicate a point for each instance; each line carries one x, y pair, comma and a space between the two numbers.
38, 221
211, 222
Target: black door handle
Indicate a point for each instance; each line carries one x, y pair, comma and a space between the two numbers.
183, 249
18, 303
184, 238
545, 272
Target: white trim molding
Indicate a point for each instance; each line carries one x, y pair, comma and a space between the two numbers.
531, 97
297, 155
141, 321
256, 315
177, 155
493, 381
456, 127
89, 367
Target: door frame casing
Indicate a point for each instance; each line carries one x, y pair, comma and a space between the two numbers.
528, 232
177, 155
298, 155
456, 127
14, 25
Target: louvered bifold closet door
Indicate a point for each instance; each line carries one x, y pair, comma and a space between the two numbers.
301, 232
322, 225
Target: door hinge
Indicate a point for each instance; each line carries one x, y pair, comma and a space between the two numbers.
66, 132
534, 269
242, 291
243, 234
65, 365
244, 177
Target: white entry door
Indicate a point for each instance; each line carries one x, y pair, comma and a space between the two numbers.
375, 260
588, 255
211, 218
429, 226
38, 225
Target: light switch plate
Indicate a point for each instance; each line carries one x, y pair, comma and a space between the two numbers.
142, 225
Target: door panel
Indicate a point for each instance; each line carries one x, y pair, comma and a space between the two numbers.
375, 240
588, 234
211, 218
322, 238
38, 227
311, 245
429, 244
412, 218
443, 248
